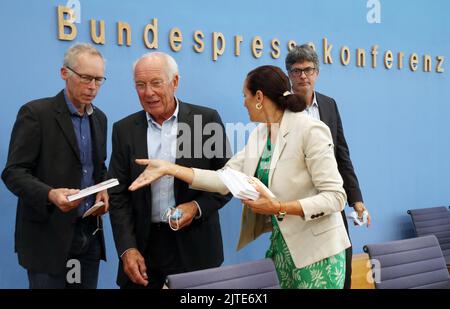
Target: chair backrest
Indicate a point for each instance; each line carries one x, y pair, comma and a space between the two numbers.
415, 263
259, 274
435, 221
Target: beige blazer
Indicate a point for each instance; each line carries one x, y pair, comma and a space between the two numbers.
303, 168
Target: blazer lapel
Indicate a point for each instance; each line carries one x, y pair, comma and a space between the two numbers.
140, 137
140, 150
185, 118
97, 137
254, 150
324, 111
280, 142
65, 123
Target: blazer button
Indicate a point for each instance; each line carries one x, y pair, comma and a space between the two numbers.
313, 216
321, 213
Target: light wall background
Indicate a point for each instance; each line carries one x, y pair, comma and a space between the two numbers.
396, 121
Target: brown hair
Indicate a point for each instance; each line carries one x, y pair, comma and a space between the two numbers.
274, 84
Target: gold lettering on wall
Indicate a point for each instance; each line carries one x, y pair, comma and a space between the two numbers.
218, 51
68, 31
374, 54
291, 44
388, 59
237, 44
98, 38
413, 61
426, 63
440, 62
275, 53
360, 57
257, 46
327, 52
175, 39
345, 55
400, 60
121, 28
66, 24
153, 28
199, 47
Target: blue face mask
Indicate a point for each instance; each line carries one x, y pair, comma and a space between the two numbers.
172, 216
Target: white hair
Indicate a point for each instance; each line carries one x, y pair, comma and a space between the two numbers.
171, 67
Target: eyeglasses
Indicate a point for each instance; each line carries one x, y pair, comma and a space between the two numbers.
87, 79
154, 84
298, 72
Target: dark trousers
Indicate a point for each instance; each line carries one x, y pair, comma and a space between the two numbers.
348, 258
162, 257
85, 249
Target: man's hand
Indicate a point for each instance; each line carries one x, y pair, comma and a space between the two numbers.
58, 197
190, 210
134, 266
102, 196
360, 208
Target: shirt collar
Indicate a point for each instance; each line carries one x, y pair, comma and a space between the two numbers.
314, 102
73, 111
174, 115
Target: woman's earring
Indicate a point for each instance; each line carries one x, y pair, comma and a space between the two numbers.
258, 106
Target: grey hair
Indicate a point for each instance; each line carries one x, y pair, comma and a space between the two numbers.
300, 54
171, 67
71, 55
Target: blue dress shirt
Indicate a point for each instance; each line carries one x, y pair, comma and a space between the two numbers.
83, 135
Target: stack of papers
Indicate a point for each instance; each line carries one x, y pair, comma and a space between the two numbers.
241, 185
94, 189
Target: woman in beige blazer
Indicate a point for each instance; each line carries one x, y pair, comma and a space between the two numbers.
292, 154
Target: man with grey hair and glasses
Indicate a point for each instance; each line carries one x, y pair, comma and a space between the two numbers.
302, 65
167, 227
58, 146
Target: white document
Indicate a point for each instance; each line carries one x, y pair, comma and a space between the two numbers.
241, 185
93, 208
94, 189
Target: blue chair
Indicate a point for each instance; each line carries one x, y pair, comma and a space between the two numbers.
259, 274
415, 263
435, 221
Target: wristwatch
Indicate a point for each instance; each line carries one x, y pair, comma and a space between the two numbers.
281, 213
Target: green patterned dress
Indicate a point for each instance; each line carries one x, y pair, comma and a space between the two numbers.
328, 273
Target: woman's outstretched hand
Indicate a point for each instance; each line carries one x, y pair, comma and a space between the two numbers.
155, 169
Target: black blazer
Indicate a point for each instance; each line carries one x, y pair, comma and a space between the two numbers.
329, 114
43, 154
130, 212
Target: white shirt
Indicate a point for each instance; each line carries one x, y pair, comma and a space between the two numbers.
313, 109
